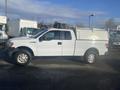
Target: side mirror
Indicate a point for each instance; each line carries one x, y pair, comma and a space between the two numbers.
45, 39
40, 39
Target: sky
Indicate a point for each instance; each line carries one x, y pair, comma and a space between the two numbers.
67, 11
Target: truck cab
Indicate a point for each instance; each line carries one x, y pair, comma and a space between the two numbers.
3, 34
29, 32
3, 27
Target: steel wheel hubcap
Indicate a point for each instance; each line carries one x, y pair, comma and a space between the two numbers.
22, 58
91, 58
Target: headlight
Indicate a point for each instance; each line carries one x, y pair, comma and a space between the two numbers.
9, 44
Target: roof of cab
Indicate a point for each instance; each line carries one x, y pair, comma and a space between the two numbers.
51, 29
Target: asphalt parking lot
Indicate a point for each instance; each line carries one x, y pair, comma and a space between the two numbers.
61, 73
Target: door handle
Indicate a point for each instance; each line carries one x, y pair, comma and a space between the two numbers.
59, 43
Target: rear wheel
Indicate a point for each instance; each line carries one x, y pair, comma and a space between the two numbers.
22, 57
91, 57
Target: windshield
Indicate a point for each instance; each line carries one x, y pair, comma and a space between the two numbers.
29, 31
32, 31
2, 27
38, 34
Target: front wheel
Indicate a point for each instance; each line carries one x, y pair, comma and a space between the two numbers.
90, 57
22, 57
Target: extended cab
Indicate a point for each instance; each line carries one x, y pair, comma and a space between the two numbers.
60, 42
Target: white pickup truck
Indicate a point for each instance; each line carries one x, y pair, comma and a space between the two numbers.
59, 42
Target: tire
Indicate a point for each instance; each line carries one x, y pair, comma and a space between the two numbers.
22, 57
90, 57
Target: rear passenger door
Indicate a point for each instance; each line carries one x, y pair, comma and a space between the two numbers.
67, 43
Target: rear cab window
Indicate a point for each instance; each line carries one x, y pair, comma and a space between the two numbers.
66, 35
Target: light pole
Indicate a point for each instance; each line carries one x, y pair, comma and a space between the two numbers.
91, 15
6, 14
6, 8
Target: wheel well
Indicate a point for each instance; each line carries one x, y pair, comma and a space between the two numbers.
28, 49
93, 49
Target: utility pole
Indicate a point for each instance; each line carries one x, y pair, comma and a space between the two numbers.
6, 12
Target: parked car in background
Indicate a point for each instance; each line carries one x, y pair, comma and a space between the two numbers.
114, 41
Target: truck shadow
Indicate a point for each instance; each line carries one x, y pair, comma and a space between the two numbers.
59, 60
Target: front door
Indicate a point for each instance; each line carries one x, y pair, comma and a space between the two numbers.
50, 44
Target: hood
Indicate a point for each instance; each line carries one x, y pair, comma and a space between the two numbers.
22, 39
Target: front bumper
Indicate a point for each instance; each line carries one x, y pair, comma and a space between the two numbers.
11, 51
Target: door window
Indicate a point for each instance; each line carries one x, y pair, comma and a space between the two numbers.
52, 35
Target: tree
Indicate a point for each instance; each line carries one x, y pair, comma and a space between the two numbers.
57, 25
60, 25
80, 25
110, 24
42, 25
